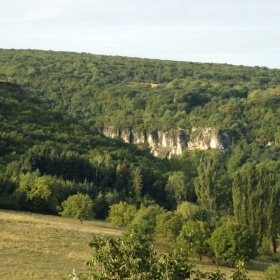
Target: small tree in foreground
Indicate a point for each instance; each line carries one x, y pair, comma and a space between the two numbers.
78, 206
133, 257
232, 242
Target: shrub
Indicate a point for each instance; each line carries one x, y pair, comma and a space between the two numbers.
169, 225
232, 242
121, 214
272, 272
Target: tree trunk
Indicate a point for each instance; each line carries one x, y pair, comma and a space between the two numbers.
260, 242
274, 244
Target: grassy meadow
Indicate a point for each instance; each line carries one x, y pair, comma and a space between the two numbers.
34, 246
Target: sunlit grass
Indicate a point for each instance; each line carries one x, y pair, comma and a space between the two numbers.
42, 247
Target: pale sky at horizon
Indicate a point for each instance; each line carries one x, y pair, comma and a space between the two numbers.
221, 31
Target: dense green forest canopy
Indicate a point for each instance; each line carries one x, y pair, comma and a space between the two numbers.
37, 140
146, 94
54, 105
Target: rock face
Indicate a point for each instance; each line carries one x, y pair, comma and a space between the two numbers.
173, 142
209, 138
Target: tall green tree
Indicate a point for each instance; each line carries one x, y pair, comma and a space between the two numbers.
178, 188
205, 185
121, 180
256, 199
212, 185
136, 183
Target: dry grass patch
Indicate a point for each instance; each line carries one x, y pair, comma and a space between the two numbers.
34, 246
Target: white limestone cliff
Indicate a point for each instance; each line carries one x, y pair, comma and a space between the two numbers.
173, 142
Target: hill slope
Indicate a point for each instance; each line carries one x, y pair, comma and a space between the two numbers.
36, 140
51, 127
146, 95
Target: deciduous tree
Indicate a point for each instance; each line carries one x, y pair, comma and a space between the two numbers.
194, 236
78, 206
121, 214
133, 257
232, 242
256, 201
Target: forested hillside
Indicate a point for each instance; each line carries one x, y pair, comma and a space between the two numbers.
69, 157
54, 105
150, 94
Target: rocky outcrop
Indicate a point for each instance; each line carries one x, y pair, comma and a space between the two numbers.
166, 144
209, 138
173, 142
